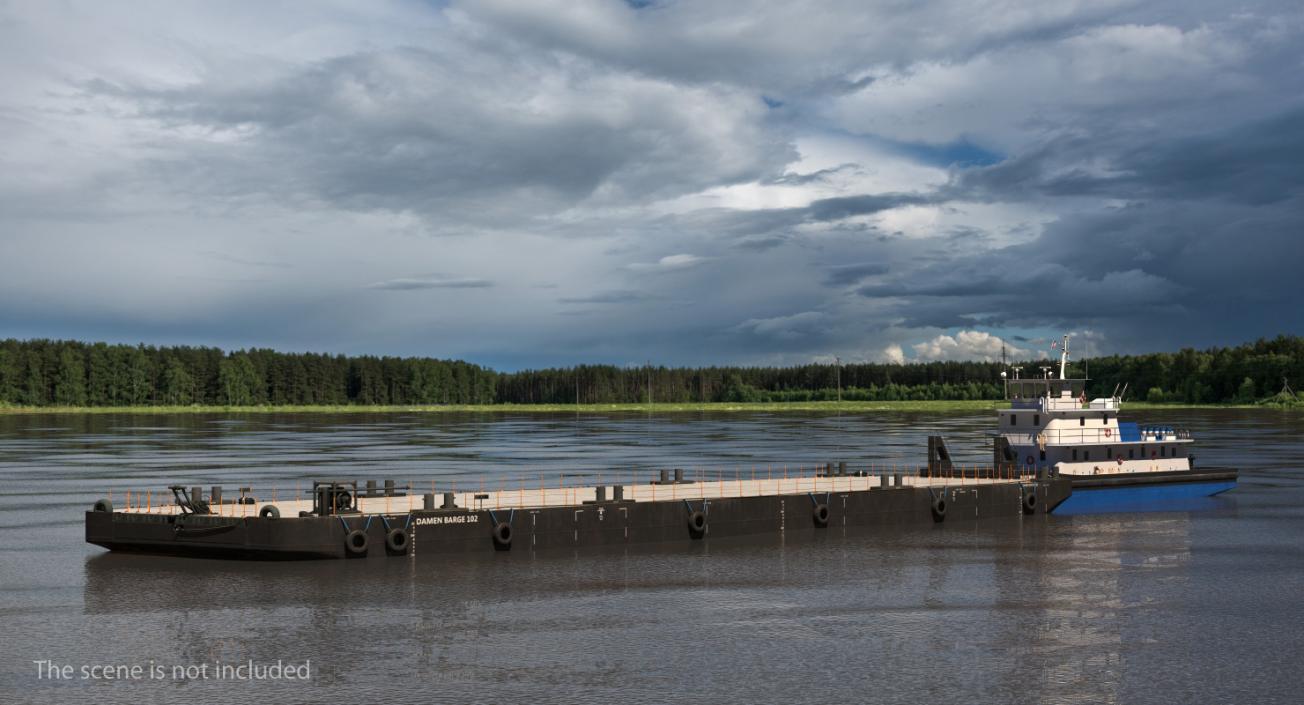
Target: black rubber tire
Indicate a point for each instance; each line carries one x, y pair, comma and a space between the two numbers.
939, 507
697, 524
269, 511
502, 536
103, 505
1030, 501
820, 515
396, 541
355, 542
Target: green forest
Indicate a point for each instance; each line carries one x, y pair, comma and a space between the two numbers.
37, 373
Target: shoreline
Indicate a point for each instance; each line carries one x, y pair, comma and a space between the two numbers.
690, 407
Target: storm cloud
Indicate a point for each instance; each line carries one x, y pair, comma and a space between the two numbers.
601, 181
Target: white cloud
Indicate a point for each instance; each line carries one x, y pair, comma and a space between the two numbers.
668, 263
966, 345
1096, 79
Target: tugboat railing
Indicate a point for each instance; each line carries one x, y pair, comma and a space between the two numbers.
1099, 436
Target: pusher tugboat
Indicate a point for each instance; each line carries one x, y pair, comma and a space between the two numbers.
1050, 426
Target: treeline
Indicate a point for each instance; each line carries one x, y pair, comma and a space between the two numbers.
608, 384
1241, 374
70, 373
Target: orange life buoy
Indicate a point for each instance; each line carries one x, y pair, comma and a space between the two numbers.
1120, 460
1108, 433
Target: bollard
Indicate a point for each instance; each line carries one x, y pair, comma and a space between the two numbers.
216, 495
882, 481
389, 488
371, 488
896, 479
449, 501
618, 493
679, 475
600, 493
428, 501
665, 477
842, 467
196, 494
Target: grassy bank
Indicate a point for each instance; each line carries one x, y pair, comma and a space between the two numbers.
772, 407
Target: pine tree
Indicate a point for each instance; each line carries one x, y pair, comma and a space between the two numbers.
178, 384
70, 380
33, 392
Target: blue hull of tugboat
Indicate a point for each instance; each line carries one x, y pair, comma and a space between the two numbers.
1165, 494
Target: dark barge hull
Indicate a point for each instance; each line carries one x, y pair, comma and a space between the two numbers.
471, 531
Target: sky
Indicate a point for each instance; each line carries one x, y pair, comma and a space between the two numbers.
530, 184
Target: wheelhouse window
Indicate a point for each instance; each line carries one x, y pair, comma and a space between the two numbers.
1014, 419
1086, 455
1082, 421
1075, 453
1036, 419
1105, 419
1131, 453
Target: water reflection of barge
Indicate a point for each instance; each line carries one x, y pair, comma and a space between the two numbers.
1112, 464
343, 520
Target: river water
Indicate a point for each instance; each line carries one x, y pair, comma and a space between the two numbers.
1201, 604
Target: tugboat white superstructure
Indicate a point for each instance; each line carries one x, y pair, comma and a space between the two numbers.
1051, 427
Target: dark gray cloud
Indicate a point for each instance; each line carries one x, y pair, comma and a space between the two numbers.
844, 274
606, 297
418, 283
427, 129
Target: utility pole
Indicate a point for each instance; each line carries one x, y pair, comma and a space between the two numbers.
649, 383
837, 361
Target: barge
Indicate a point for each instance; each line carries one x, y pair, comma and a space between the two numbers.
1051, 427
342, 520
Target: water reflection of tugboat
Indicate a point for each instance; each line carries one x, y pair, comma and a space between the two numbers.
1051, 428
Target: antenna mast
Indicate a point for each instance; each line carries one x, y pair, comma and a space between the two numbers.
1064, 357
